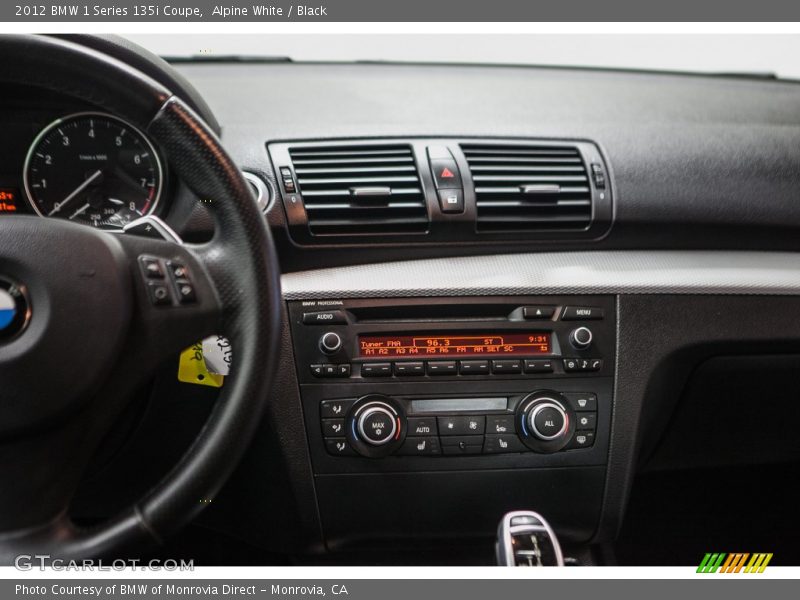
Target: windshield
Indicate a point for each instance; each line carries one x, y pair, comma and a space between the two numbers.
704, 53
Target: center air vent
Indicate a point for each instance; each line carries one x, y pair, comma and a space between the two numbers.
522, 187
360, 189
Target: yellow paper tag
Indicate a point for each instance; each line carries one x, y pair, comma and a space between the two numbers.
192, 368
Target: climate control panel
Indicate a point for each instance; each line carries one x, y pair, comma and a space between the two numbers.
377, 425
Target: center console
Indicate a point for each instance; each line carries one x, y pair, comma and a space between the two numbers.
434, 411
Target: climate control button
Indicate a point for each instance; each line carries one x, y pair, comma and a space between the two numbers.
377, 425
548, 420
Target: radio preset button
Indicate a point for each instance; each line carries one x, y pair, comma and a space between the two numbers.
442, 367
538, 365
409, 368
474, 367
505, 367
376, 369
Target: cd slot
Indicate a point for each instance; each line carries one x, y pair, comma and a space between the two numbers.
431, 312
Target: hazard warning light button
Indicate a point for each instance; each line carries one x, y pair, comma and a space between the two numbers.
445, 173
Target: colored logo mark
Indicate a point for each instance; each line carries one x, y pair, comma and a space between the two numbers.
8, 309
738, 562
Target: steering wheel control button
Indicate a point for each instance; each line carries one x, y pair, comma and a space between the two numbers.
581, 439
457, 426
582, 402
451, 201
152, 267
334, 409
327, 317
506, 367
537, 365
581, 338
376, 370
538, 312
339, 447
14, 310
186, 293
548, 421
582, 313
409, 368
502, 444
159, 293
377, 425
330, 343
420, 446
586, 420
442, 367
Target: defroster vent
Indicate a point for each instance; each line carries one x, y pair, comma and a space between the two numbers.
360, 189
529, 187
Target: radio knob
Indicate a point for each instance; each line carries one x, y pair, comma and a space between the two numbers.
377, 425
330, 342
548, 420
581, 338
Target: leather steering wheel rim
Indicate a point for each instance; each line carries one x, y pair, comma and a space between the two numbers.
239, 264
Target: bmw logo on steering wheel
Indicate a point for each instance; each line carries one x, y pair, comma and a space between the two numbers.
14, 309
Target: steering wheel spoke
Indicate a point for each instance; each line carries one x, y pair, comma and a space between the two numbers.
176, 303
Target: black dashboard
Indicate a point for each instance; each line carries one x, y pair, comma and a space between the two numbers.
423, 215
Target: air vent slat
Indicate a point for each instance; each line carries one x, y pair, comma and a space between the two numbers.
529, 187
360, 190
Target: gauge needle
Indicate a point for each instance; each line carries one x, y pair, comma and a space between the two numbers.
80, 210
77, 191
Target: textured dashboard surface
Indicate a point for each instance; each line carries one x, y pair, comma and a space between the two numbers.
653, 272
697, 162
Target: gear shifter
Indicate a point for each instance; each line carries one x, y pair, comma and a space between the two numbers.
525, 539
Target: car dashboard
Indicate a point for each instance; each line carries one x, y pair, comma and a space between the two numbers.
505, 287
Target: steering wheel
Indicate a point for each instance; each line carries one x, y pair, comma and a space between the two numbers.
88, 329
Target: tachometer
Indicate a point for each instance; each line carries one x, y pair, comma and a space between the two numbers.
93, 168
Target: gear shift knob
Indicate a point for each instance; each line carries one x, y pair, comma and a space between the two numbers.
525, 539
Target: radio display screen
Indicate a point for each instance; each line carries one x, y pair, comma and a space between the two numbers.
455, 344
